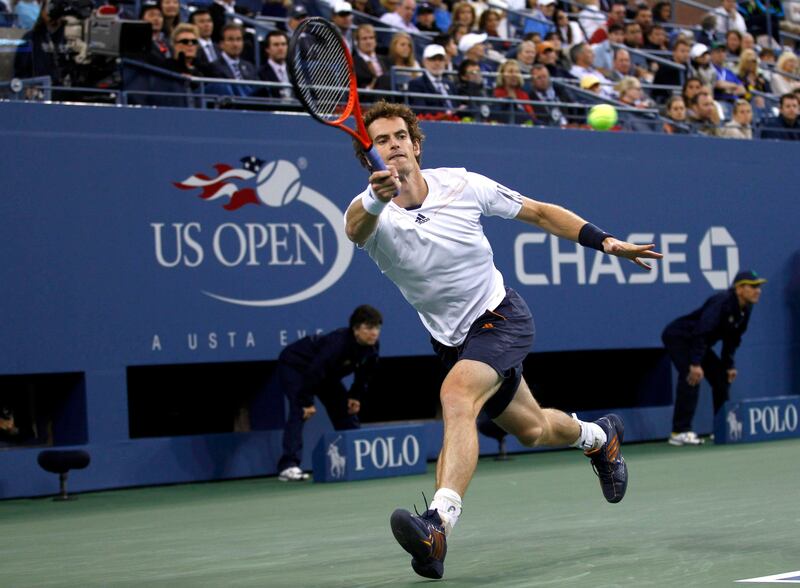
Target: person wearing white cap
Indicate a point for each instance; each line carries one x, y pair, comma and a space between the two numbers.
701, 64
342, 17
403, 16
473, 46
432, 82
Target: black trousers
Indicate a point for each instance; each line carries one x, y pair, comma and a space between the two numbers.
685, 395
333, 396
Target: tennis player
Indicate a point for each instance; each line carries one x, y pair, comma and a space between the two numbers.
429, 241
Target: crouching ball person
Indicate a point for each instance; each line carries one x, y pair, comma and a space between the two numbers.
422, 228
315, 366
689, 341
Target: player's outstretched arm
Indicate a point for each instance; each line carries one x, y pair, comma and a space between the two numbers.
566, 224
361, 217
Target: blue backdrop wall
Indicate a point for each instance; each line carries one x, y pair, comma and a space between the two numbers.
138, 237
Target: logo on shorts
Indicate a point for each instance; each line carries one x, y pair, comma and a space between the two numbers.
487, 326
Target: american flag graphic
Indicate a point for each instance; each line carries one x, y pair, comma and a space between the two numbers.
234, 183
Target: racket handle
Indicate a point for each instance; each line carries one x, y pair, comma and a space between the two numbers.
375, 160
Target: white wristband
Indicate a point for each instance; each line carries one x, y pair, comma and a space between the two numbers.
371, 204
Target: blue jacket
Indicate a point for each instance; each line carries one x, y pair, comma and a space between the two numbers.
719, 319
331, 357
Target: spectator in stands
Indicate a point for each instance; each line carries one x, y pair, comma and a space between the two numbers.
591, 83
464, 14
604, 52
160, 52
432, 82
230, 64
185, 41
426, 18
43, 48
630, 93
582, 56
209, 52
296, 16
547, 55
27, 13
342, 17
509, 85
622, 67
703, 114
368, 64
733, 46
634, 39
365, 6
403, 17
220, 11
315, 366
748, 42
753, 78
781, 84
691, 87
616, 17
276, 47
544, 91
473, 46
707, 35
275, 8
591, 18
644, 18
171, 9
689, 341
701, 65
656, 39
740, 127
569, 32
728, 18
755, 17
662, 12
785, 126
450, 48
728, 87
675, 113
526, 57
470, 83
401, 53
672, 76
488, 23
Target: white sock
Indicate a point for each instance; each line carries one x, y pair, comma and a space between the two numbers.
592, 436
448, 503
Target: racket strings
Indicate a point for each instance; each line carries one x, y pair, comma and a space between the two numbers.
324, 72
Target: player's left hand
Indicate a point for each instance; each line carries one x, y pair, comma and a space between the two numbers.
353, 406
732, 373
630, 251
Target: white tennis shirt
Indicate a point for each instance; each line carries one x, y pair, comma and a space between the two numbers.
438, 255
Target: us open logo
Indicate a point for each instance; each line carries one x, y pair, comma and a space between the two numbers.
296, 241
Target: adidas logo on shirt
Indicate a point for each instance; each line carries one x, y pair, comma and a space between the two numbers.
421, 219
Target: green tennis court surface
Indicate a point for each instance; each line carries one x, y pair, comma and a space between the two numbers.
695, 516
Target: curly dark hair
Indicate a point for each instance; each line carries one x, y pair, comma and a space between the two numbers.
383, 109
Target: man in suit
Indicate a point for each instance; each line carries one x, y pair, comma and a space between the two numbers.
274, 70
542, 90
230, 65
432, 82
368, 64
219, 10
208, 51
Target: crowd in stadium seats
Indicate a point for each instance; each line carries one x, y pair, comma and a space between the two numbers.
531, 62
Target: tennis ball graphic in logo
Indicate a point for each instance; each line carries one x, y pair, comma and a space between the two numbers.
602, 117
278, 183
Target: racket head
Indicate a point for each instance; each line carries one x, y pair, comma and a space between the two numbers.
323, 76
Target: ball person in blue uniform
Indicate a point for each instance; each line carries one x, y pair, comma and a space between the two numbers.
689, 341
315, 366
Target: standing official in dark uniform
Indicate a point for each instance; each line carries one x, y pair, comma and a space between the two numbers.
689, 341
315, 366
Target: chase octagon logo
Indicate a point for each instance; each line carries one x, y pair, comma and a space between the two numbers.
299, 242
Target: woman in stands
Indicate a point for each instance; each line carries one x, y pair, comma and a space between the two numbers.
509, 85
630, 93
171, 9
752, 78
787, 63
464, 13
675, 113
569, 31
662, 12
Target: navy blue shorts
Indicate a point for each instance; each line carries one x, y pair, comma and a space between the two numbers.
501, 338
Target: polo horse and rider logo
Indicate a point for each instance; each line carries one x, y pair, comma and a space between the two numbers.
337, 460
734, 426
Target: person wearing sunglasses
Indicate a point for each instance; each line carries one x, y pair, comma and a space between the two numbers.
186, 44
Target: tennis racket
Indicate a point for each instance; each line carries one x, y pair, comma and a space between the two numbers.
324, 80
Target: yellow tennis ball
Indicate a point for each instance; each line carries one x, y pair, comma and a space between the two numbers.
602, 117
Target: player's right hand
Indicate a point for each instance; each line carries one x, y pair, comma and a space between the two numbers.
385, 184
695, 375
309, 411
